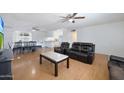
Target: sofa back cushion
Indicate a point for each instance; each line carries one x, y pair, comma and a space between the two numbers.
86, 49
116, 58
76, 46
88, 46
65, 45
83, 47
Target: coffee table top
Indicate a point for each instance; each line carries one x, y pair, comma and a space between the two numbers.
57, 57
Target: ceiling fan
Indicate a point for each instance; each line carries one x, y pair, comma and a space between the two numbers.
35, 28
71, 17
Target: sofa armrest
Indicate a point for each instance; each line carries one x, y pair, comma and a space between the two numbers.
69, 49
116, 58
56, 47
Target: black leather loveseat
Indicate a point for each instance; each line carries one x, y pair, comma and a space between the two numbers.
116, 68
63, 48
82, 51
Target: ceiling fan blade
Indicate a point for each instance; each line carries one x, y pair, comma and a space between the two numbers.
74, 14
79, 17
64, 20
62, 17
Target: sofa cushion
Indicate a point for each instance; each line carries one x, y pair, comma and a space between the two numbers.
121, 65
116, 70
86, 49
116, 73
78, 53
76, 48
72, 52
82, 54
113, 63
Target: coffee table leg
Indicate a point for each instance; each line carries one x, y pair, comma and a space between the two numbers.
40, 59
67, 62
56, 69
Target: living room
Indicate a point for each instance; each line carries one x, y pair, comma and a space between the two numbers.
28, 41
102, 31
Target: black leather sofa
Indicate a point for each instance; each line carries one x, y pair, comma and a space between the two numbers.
63, 48
116, 68
82, 51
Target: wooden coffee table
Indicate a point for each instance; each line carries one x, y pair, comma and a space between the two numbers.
55, 58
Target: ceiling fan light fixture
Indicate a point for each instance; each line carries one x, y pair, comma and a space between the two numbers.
73, 30
72, 20
33, 30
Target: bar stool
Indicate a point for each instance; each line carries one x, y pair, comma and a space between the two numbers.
17, 47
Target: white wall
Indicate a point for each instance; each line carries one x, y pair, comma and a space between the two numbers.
38, 35
8, 37
67, 36
108, 38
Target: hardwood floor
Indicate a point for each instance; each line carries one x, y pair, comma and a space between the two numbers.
28, 68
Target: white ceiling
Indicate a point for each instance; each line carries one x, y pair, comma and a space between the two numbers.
51, 21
